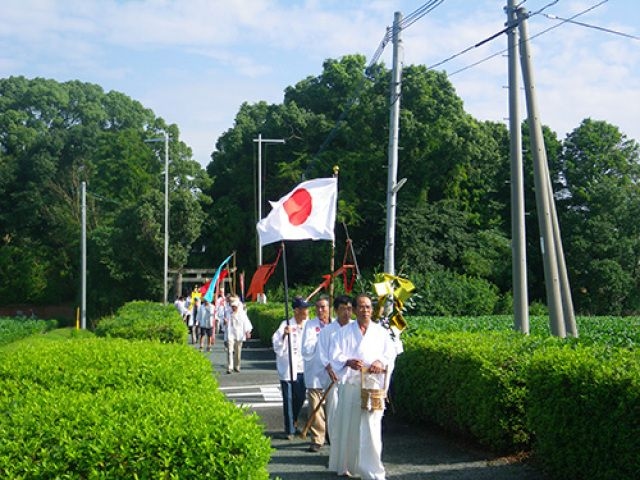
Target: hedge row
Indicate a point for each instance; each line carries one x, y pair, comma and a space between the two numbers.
266, 319
577, 406
12, 329
143, 320
110, 408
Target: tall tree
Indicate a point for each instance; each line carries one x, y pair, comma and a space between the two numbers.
600, 172
55, 135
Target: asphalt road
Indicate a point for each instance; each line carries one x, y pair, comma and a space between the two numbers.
410, 452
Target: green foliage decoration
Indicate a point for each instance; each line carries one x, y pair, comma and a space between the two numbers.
110, 408
143, 320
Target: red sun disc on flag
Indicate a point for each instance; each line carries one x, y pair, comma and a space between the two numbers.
298, 207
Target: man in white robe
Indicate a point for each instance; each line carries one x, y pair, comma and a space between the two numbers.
361, 345
343, 306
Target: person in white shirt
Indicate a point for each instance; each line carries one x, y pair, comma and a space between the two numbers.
237, 329
207, 324
290, 364
316, 378
362, 346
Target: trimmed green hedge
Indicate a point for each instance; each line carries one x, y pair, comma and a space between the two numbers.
266, 320
467, 383
584, 408
99, 408
577, 406
143, 320
12, 329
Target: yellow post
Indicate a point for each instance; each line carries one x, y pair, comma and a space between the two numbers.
77, 318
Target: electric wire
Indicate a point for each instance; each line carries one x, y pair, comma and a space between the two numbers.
404, 23
595, 27
531, 37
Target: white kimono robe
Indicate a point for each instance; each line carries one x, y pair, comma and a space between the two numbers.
357, 449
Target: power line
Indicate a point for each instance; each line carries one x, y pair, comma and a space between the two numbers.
593, 7
409, 20
596, 27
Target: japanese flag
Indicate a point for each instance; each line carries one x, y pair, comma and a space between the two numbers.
306, 213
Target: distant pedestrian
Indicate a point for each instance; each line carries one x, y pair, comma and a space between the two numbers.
206, 322
291, 381
192, 320
236, 331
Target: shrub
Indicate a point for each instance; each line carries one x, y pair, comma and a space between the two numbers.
12, 329
448, 293
142, 320
266, 319
468, 383
109, 408
584, 407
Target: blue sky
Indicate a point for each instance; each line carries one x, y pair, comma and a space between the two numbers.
194, 62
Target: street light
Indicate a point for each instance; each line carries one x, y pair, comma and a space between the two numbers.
165, 138
260, 141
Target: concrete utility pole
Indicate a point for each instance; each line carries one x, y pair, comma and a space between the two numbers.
165, 139
83, 254
544, 195
518, 236
394, 123
166, 217
260, 141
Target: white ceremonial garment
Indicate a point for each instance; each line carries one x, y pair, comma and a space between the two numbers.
315, 375
326, 341
359, 442
281, 349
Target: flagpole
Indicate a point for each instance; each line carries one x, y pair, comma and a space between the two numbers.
336, 170
286, 309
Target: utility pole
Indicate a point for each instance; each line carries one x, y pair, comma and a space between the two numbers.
260, 141
165, 139
544, 195
83, 254
394, 123
518, 237
166, 217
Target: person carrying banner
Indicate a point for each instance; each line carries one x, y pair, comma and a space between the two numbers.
290, 364
361, 348
316, 377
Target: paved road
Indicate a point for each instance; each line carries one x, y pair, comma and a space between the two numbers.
410, 452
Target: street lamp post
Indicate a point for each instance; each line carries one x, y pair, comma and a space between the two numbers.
165, 138
260, 141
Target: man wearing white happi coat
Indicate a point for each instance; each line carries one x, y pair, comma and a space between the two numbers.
290, 364
360, 345
316, 378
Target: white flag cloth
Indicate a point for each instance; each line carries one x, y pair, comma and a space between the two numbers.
308, 212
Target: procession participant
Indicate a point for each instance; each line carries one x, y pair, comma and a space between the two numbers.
237, 330
207, 324
192, 320
316, 378
361, 345
291, 381
343, 306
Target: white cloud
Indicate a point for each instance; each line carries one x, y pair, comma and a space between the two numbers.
195, 61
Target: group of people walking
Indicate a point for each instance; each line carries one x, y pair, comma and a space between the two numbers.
342, 367
204, 319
